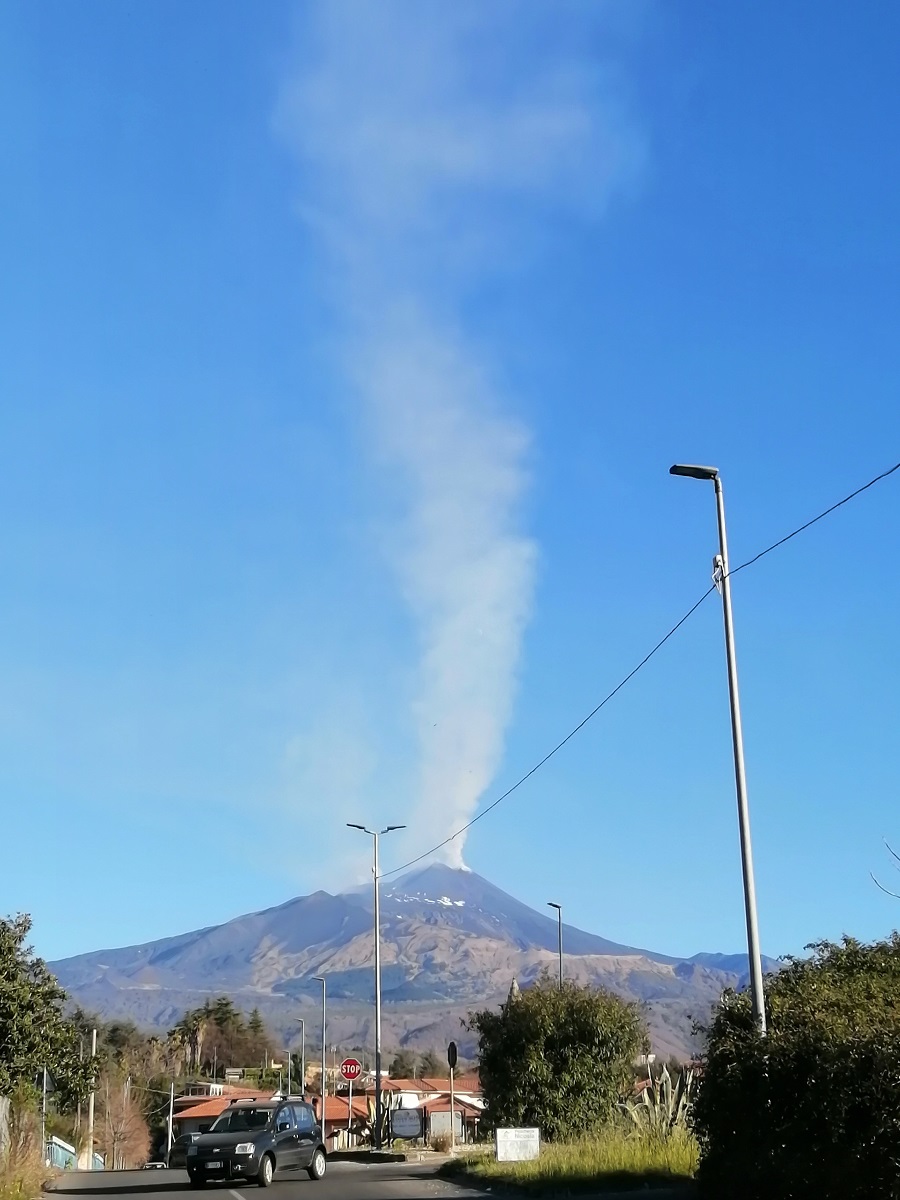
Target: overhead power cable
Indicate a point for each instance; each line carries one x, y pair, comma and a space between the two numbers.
631, 674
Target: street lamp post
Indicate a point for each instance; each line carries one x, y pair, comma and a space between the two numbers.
721, 577
302, 1023
558, 907
319, 979
375, 836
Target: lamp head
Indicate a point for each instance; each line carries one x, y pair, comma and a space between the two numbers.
553, 904
391, 828
694, 472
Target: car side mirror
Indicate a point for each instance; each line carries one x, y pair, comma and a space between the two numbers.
282, 1126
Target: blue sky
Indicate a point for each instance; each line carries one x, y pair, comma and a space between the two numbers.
346, 350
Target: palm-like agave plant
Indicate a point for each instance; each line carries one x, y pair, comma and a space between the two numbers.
663, 1106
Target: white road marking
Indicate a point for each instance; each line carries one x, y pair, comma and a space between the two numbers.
237, 1195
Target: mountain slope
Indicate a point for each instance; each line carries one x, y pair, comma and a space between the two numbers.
451, 941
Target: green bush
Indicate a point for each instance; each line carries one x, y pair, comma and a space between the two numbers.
813, 1109
557, 1058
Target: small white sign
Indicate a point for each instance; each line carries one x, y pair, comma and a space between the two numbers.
517, 1145
406, 1122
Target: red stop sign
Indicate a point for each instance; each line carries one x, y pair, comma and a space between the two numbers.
351, 1068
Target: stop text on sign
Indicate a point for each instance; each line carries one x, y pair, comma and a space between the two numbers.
351, 1068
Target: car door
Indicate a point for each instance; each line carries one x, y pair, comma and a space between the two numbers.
307, 1133
287, 1141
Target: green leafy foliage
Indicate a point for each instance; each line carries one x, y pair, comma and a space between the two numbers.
664, 1105
432, 1066
403, 1065
556, 1058
813, 1109
33, 1032
217, 1035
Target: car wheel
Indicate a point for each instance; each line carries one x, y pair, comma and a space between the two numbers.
316, 1168
266, 1171
197, 1181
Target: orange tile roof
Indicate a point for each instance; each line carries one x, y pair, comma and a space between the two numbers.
403, 1085
464, 1083
442, 1104
336, 1108
230, 1093
214, 1106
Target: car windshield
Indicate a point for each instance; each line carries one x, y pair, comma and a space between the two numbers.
236, 1119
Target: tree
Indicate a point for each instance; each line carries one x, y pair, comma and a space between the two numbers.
557, 1058
121, 1128
430, 1066
811, 1110
257, 1041
33, 1031
403, 1065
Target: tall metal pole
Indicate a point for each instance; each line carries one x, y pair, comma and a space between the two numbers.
558, 907
737, 737
44, 1118
377, 916
559, 913
90, 1128
303, 1057
378, 1116
171, 1118
723, 582
320, 979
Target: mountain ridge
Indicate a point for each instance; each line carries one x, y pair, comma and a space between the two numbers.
451, 941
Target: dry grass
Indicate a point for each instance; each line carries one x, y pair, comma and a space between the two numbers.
614, 1160
22, 1179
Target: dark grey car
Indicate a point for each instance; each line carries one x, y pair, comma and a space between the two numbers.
255, 1140
177, 1156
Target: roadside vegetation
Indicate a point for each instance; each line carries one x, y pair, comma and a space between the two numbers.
132, 1071
615, 1159
562, 1060
812, 1111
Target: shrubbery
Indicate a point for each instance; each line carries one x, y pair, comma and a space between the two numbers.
557, 1058
813, 1109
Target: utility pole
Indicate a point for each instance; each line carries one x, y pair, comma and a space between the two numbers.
320, 979
302, 1023
171, 1118
374, 835
90, 1128
44, 1117
558, 907
722, 580
452, 1058
78, 1110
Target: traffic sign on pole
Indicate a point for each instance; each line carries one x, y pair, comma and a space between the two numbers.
351, 1068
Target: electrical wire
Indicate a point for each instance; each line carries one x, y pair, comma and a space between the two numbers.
631, 674
826, 513
559, 745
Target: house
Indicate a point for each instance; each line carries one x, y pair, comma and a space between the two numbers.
466, 1115
432, 1096
195, 1114
346, 1120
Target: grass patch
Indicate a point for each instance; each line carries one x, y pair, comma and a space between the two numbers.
22, 1180
613, 1161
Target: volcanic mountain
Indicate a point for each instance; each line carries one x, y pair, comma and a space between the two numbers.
451, 942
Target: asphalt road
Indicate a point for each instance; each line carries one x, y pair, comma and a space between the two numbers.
343, 1181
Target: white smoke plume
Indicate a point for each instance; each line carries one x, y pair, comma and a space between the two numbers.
435, 138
